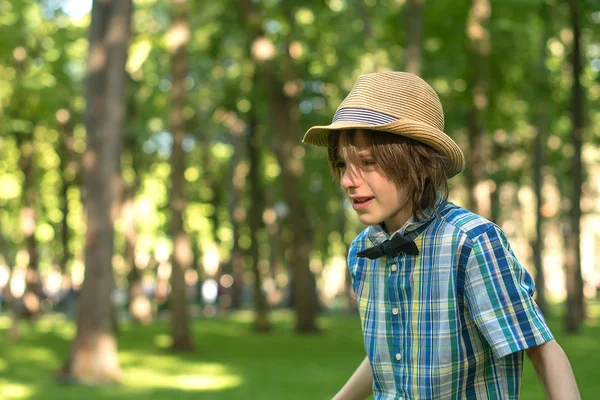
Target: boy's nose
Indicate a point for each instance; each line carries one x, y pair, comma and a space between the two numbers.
350, 178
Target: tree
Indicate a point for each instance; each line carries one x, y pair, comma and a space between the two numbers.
541, 121
575, 304
261, 321
177, 39
30, 301
479, 42
93, 355
140, 308
414, 23
282, 103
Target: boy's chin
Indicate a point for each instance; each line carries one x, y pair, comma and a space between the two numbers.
368, 219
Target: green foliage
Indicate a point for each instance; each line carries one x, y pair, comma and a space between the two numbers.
42, 70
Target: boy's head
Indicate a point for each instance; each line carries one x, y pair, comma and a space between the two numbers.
387, 177
397, 119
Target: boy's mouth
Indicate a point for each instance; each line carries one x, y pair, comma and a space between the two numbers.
360, 202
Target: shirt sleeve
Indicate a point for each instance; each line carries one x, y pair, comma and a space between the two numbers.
499, 295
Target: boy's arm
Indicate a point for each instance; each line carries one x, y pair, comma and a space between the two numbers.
359, 386
554, 371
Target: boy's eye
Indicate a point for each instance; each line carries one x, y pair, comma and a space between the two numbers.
368, 163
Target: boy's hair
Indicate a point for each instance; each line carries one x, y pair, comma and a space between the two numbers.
408, 163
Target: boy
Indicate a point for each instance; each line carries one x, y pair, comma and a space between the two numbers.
446, 308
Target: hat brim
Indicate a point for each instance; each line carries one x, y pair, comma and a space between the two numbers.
424, 133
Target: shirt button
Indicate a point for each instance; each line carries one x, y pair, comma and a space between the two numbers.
398, 356
394, 268
395, 311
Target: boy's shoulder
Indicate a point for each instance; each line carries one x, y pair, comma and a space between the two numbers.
465, 222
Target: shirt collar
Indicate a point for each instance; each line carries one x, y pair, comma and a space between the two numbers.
378, 235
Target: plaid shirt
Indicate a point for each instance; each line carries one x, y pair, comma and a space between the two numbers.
451, 322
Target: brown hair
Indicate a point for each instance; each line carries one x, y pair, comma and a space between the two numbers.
411, 165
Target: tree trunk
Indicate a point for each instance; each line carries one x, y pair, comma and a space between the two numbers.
284, 114
273, 230
575, 303
236, 175
30, 300
93, 356
286, 124
177, 39
26, 305
476, 158
261, 319
541, 121
537, 245
238, 217
414, 23
68, 172
140, 307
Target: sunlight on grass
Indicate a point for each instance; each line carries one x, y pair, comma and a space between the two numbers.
197, 377
162, 362
58, 325
163, 341
593, 310
247, 316
5, 322
14, 391
164, 371
208, 382
37, 355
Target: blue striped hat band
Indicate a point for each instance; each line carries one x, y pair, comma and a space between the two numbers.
363, 116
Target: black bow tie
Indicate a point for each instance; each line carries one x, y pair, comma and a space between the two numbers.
391, 248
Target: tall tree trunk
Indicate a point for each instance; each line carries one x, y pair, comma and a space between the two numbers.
287, 126
68, 173
177, 39
261, 319
238, 218
31, 297
285, 119
575, 303
94, 352
140, 307
537, 244
541, 121
273, 230
26, 305
414, 23
479, 42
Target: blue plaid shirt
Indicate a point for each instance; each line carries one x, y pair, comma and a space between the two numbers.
451, 322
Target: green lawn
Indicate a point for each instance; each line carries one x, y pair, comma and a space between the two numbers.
231, 362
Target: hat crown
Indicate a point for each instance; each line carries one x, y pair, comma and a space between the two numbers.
397, 94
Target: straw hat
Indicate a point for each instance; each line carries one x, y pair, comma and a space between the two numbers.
396, 102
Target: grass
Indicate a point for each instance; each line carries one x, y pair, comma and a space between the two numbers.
231, 361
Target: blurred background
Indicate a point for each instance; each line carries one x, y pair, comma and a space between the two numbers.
164, 233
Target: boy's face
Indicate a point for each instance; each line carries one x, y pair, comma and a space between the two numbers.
373, 196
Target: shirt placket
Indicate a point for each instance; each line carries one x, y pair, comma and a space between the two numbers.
397, 352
